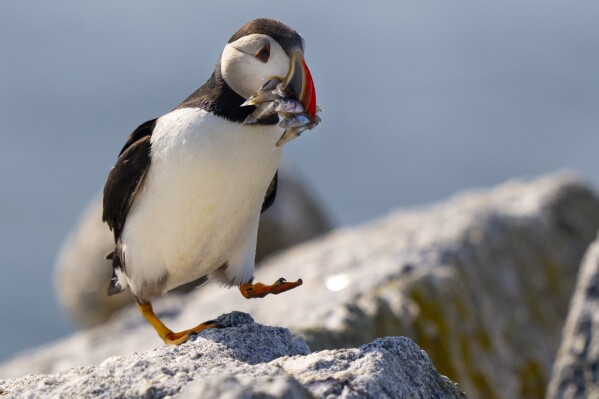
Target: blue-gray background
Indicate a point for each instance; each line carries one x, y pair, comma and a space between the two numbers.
421, 99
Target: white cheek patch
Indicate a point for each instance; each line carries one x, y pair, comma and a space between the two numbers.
243, 72
234, 68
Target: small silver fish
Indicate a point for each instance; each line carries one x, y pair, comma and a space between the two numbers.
295, 121
266, 93
282, 91
263, 110
290, 135
288, 106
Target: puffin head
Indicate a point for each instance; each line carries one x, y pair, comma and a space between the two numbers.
262, 49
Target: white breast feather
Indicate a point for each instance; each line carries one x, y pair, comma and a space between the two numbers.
200, 201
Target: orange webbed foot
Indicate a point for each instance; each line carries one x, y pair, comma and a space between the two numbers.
169, 337
259, 290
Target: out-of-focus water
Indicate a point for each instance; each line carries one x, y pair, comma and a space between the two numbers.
421, 99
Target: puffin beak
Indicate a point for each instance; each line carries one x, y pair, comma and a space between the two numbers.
300, 81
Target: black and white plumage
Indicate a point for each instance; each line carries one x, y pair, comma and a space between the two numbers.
185, 195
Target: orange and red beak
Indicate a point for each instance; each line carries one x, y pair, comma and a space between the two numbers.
299, 79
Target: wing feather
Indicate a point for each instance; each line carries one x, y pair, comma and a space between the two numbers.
126, 177
271, 193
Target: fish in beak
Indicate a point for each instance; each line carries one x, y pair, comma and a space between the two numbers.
293, 97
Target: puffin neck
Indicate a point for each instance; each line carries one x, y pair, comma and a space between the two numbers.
216, 97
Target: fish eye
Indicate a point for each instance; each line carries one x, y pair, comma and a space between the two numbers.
264, 53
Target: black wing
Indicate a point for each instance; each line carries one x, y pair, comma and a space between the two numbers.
126, 177
271, 193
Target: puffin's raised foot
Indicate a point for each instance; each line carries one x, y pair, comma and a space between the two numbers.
259, 290
169, 337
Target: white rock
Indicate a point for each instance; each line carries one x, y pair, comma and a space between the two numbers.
576, 369
248, 360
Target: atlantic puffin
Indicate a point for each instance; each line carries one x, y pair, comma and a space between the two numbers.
185, 195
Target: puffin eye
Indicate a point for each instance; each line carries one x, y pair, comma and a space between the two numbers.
264, 53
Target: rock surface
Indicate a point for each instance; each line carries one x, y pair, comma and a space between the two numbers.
576, 369
248, 360
481, 282
82, 274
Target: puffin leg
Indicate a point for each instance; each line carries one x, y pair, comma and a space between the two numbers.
259, 290
169, 337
